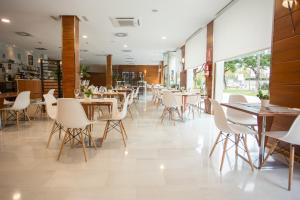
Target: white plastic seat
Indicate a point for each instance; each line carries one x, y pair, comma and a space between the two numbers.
71, 116
130, 103
51, 110
239, 117
40, 104
136, 94
115, 122
194, 103
227, 130
19, 106
291, 137
172, 104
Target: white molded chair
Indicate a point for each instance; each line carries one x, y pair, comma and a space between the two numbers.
227, 130
172, 104
71, 116
19, 106
291, 137
136, 94
51, 91
194, 103
116, 121
52, 112
238, 117
130, 103
40, 104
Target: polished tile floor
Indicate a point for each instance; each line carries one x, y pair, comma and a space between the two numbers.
161, 162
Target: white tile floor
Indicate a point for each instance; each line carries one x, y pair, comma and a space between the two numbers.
161, 162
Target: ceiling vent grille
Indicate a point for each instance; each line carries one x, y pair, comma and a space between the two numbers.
125, 22
126, 50
84, 50
24, 34
55, 18
41, 48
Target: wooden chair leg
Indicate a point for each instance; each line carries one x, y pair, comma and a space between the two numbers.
272, 149
291, 166
63, 143
237, 140
224, 151
122, 133
27, 116
106, 130
51, 134
122, 125
248, 153
91, 138
215, 144
83, 145
17, 119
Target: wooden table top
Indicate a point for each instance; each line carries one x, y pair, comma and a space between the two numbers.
256, 109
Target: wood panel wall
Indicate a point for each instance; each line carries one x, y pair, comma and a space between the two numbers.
70, 55
209, 61
285, 70
34, 86
97, 79
152, 76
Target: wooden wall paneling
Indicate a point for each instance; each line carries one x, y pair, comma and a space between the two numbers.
109, 69
34, 86
285, 70
209, 61
183, 78
70, 55
97, 79
152, 71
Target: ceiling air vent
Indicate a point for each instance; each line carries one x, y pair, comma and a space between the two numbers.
100, 55
55, 18
24, 34
126, 50
41, 48
85, 18
125, 22
84, 50
121, 34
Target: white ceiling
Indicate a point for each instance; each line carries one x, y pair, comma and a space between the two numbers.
175, 19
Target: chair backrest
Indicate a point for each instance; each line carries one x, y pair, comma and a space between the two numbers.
50, 108
170, 99
235, 114
130, 98
70, 113
219, 117
137, 91
293, 135
123, 112
51, 91
192, 99
22, 101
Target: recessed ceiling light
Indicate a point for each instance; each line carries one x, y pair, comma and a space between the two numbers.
154, 10
24, 34
84, 36
125, 45
163, 37
5, 20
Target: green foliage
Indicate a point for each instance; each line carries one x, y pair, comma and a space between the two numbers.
84, 71
231, 66
262, 96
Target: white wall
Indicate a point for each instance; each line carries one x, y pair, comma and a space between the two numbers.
195, 49
243, 28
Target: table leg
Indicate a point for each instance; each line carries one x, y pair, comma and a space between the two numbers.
262, 141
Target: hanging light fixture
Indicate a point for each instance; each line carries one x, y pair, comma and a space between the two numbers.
289, 5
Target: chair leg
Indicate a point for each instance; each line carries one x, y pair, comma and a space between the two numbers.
122, 125
63, 143
51, 134
248, 153
106, 130
271, 150
224, 151
122, 133
17, 119
27, 116
215, 144
237, 140
291, 166
90, 136
83, 145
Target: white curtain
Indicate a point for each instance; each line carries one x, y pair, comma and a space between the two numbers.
243, 28
195, 50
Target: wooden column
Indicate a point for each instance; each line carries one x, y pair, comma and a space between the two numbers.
70, 55
109, 71
209, 61
161, 72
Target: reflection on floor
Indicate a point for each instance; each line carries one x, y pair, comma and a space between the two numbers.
161, 162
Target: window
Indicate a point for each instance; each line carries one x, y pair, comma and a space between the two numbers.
247, 74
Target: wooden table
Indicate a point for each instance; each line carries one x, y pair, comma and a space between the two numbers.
4, 96
121, 95
262, 113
